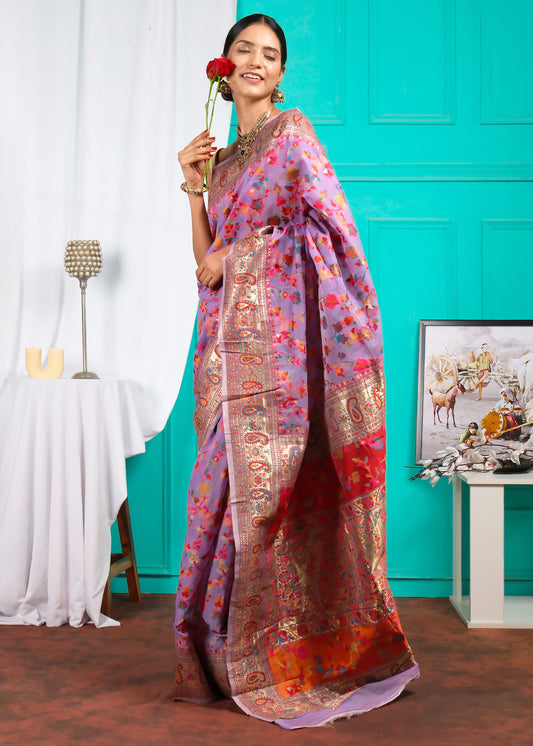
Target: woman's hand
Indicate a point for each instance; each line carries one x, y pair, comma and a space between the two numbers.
193, 156
210, 271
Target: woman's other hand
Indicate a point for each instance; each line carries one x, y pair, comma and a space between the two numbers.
210, 270
193, 156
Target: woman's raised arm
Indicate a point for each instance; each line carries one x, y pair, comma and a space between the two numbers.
192, 159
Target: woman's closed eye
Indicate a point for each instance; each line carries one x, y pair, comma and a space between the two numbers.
246, 50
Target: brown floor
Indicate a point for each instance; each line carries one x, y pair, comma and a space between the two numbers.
114, 686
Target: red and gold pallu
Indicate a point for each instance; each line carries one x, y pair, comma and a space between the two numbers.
283, 601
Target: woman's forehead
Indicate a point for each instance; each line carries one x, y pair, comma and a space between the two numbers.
259, 34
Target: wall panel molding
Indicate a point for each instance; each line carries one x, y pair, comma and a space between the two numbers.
163, 510
505, 63
347, 172
502, 248
318, 87
336, 74
393, 62
435, 259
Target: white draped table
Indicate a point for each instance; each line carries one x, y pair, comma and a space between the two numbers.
63, 445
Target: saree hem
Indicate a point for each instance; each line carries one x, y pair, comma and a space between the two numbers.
367, 698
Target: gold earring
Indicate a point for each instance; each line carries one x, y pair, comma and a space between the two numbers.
277, 97
225, 90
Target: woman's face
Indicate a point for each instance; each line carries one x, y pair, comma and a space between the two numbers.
256, 55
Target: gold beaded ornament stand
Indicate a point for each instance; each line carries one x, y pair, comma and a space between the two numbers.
83, 259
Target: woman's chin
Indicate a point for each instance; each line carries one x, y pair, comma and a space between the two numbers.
251, 93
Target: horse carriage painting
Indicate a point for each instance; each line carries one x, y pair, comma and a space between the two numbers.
473, 377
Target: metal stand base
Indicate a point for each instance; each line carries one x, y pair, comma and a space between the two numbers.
85, 374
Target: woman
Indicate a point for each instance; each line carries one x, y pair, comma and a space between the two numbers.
283, 602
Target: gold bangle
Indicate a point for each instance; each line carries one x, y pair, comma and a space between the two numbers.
186, 188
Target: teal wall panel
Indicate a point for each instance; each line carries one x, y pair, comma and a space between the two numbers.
321, 88
506, 63
425, 110
412, 62
506, 243
396, 245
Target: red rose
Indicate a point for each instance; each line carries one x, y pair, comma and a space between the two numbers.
216, 69
219, 67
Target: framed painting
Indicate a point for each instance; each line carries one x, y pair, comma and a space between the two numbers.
473, 376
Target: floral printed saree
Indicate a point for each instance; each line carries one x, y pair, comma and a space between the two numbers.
283, 602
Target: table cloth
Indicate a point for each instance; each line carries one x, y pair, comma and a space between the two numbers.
63, 445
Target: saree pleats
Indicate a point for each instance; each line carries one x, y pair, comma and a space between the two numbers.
206, 579
283, 601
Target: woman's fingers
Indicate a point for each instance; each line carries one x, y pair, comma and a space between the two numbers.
201, 144
207, 280
203, 147
204, 138
210, 271
194, 155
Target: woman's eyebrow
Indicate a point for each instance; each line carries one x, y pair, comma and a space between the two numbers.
251, 44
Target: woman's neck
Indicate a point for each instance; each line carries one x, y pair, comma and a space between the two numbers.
248, 113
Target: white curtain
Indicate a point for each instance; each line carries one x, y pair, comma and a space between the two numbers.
96, 99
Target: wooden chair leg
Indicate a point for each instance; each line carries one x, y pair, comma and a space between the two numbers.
128, 550
123, 562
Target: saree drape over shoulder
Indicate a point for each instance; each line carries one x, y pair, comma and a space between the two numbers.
283, 602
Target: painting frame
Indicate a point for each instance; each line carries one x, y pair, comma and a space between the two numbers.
451, 350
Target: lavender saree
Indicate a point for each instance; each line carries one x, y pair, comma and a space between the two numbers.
283, 602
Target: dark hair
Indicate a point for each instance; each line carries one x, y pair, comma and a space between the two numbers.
243, 23
473, 426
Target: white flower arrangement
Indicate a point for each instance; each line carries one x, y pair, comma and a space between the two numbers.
482, 455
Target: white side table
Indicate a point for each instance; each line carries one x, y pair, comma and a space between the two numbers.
487, 605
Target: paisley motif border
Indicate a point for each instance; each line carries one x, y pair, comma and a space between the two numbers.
355, 409
251, 427
208, 390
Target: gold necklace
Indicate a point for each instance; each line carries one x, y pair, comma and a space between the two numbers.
245, 142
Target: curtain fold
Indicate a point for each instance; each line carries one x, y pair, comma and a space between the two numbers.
98, 97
